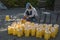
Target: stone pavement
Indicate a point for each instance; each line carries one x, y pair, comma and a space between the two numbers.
18, 12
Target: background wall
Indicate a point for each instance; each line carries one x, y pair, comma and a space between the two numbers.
57, 5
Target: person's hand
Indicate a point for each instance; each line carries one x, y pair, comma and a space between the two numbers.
25, 17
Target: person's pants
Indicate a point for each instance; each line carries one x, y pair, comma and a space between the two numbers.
32, 19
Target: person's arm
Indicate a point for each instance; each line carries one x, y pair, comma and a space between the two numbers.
25, 12
36, 16
25, 16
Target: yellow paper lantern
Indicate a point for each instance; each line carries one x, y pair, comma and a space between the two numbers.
7, 18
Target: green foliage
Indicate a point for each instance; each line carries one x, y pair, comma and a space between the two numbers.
9, 3
19, 3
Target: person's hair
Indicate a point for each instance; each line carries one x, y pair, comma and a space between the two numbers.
30, 7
